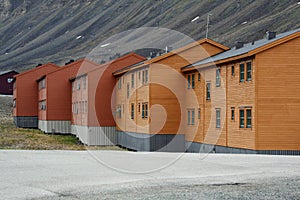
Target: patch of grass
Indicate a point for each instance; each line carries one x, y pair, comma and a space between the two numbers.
31, 139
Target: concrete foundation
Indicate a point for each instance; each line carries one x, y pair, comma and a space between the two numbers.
26, 122
151, 142
194, 147
103, 136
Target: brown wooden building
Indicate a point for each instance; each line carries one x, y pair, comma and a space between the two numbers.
249, 98
6, 82
157, 84
25, 96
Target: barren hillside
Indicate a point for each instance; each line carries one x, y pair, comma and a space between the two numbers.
35, 32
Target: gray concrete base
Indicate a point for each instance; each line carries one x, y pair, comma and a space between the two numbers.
151, 142
26, 122
97, 135
194, 147
61, 127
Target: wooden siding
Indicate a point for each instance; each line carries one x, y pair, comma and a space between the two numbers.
138, 94
80, 101
165, 92
278, 97
240, 95
101, 89
26, 91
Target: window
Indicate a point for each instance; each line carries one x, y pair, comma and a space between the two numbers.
189, 81
199, 113
249, 71
146, 76
232, 113
191, 116
145, 110
42, 105
207, 91
128, 90
249, 120
132, 111
139, 107
242, 72
132, 80
218, 118
119, 111
193, 81
78, 85
143, 77
242, 118
218, 78
84, 82
139, 76
199, 76
232, 70
119, 83
42, 84
10, 80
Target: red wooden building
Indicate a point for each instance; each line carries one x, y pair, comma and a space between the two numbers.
25, 95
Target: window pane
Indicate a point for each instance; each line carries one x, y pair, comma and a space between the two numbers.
232, 114
132, 111
199, 113
199, 76
193, 80
132, 80
249, 71
193, 117
127, 90
242, 72
218, 118
232, 70
188, 117
218, 78
146, 76
189, 81
242, 121
146, 110
208, 91
249, 120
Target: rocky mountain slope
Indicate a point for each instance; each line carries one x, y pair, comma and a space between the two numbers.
33, 32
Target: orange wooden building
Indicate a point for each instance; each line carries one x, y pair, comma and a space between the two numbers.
54, 97
248, 98
25, 96
157, 84
93, 122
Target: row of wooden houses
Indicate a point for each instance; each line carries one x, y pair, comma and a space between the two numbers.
203, 97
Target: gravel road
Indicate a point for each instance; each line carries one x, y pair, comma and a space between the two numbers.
130, 175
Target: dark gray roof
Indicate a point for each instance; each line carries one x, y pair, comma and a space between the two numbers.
5, 72
245, 49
